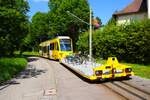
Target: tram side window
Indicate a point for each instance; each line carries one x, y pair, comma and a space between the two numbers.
56, 44
44, 49
52, 46
48, 48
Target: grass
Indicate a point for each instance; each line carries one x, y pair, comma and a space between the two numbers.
9, 67
27, 53
138, 69
31, 53
141, 70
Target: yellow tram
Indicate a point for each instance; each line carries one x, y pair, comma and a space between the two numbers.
56, 48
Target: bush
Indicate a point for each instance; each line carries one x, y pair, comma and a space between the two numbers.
127, 42
83, 42
9, 67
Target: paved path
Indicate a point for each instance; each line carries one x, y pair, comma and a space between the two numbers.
32, 84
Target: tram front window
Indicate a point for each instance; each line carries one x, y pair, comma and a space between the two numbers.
65, 45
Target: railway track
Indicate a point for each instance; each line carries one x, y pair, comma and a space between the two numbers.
127, 91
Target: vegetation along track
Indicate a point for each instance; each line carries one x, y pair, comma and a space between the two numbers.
127, 91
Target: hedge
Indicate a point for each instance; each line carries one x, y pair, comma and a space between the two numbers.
130, 43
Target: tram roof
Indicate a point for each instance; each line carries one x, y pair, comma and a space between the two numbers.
48, 41
63, 37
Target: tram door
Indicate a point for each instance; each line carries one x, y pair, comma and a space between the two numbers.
51, 54
56, 51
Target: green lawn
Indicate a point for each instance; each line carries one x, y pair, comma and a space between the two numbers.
9, 67
27, 53
31, 53
141, 70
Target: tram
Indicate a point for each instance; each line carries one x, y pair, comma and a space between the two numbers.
56, 48
61, 48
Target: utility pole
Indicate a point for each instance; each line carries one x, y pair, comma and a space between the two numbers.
148, 6
90, 37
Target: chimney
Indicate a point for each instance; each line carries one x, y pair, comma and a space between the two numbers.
148, 6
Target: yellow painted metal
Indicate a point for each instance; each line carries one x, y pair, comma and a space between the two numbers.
111, 65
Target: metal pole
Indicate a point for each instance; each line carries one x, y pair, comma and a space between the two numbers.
148, 6
90, 37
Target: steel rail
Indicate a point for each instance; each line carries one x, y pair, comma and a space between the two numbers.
127, 91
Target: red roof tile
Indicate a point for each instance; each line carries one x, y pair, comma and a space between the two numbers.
134, 7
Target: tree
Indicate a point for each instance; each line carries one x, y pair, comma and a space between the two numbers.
39, 28
112, 21
13, 25
20, 5
64, 24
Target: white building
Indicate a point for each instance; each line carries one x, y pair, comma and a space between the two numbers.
137, 10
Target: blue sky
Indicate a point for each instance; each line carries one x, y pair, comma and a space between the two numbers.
102, 8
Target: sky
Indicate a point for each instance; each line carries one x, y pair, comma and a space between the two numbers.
101, 8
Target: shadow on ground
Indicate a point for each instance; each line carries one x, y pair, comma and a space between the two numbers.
31, 59
30, 71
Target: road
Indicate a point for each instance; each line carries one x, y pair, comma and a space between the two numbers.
48, 80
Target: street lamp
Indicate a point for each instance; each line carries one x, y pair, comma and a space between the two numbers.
90, 32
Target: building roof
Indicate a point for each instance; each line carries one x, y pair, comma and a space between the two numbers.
134, 7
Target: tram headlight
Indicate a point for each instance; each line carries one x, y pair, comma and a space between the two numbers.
98, 72
127, 70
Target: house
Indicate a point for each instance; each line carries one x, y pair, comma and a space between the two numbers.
95, 23
137, 10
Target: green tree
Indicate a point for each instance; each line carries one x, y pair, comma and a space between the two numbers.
39, 28
112, 21
64, 24
13, 25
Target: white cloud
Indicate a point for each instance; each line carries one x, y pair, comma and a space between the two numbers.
40, 0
